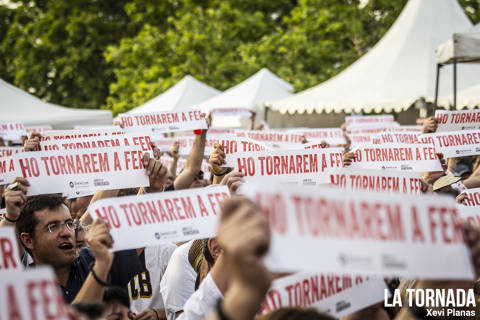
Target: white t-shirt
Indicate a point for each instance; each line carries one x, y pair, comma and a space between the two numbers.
178, 282
144, 289
202, 302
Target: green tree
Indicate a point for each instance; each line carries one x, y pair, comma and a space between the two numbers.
54, 49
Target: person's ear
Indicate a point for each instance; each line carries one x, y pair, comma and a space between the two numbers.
214, 248
27, 240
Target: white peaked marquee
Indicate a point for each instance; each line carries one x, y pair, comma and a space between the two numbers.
469, 98
18, 105
397, 71
186, 93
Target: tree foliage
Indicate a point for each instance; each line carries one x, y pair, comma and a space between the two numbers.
120, 53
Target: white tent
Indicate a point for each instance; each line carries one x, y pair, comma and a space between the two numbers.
186, 93
18, 105
464, 46
251, 94
469, 98
397, 71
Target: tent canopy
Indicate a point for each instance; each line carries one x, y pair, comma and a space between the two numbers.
397, 71
469, 98
250, 94
186, 93
464, 47
18, 105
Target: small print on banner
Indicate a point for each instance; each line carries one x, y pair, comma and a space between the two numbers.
9, 259
454, 144
31, 294
150, 219
360, 232
377, 181
337, 295
156, 122
404, 157
93, 170
457, 120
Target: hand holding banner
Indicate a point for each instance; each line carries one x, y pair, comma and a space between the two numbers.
362, 232
150, 219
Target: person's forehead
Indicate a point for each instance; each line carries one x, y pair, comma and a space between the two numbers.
60, 213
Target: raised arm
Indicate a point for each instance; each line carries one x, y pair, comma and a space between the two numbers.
194, 163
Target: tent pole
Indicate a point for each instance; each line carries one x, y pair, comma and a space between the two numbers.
265, 114
454, 83
435, 105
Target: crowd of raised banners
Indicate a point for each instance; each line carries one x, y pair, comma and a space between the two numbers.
346, 206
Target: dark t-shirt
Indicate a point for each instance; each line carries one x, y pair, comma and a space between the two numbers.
126, 264
170, 188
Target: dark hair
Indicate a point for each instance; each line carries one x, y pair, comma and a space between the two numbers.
116, 294
295, 313
27, 220
92, 310
207, 254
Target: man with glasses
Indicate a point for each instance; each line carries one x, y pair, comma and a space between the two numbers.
47, 232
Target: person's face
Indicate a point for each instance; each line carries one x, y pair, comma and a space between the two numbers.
80, 241
116, 311
56, 248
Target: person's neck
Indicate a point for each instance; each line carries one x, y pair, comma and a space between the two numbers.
62, 274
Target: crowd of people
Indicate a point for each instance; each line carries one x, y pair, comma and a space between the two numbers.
222, 277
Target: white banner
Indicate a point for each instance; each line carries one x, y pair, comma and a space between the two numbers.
404, 157
272, 138
368, 121
9, 259
473, 197
38, 129
376, 181
142, 142
31, 295
337, 295
232, 145
294, 163
362, 232
471, 214
241, 112
150, 219
157, 122
455, 143
80, 133
7, 170
332, 136
12, 131
397, 137
75, 170
9, 151
457, 120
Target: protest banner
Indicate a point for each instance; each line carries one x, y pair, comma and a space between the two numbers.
397, 137
376, 180
181, 163
12, 131
414, 129
473, 197
272, 138
31, 295
361, 139
332, 136
457, 120
8, 170
89, 169
336, 295
454, 144
169, 121
294, 163
239, 112
150, 219
38, 129
362, 232
232, 144
143, 142
469, 213
80, 133
367, 121
9, 259
405, 157
9, 151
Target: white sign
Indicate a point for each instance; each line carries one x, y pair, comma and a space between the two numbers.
7, 170
142, 142
455, 143
367, 121
337, 295
31, 295
377, 181
362, 232
471, 214
294, 163
9, 259
404, 157
38, 129
150, 219
275, 139
241, 112
93, 170
12, 131
156, 122
9, 151
397, 137
457, 120
473, 197
80, 133
332, 136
